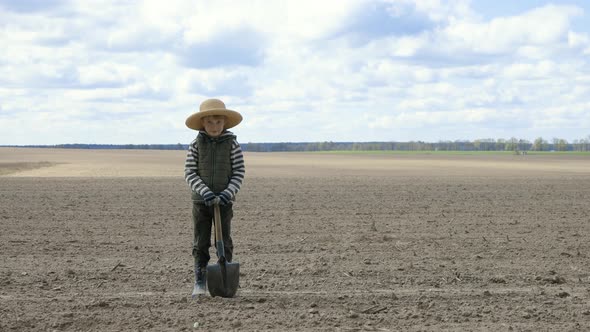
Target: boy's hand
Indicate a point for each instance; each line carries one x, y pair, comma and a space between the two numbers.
212, 202
210, 199
224, 198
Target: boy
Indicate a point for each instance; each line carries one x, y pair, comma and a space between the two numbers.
214, 170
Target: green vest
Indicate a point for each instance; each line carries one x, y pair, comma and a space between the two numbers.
214, 165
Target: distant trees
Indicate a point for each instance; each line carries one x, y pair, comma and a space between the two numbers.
581, 144
500, 145
177, 146
512, 144
559, 144
484, 144
540, 144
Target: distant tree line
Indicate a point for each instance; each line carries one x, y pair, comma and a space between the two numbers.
177, 146
485, 144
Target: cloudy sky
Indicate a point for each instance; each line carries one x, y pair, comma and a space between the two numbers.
120, 72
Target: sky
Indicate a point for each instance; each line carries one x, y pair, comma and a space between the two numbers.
131, 72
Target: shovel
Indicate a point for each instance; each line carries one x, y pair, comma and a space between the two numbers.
223, 278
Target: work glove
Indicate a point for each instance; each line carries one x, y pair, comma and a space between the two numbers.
210, 198
224, 198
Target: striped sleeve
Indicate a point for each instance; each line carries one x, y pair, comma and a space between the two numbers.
238, 170
191, 171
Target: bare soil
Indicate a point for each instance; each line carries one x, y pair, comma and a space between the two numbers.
101, 241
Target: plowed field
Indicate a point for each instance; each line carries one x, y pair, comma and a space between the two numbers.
101, 240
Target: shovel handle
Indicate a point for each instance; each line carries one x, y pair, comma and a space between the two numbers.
217, 222
218, 232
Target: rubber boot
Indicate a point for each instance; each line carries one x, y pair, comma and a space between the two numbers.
200, 287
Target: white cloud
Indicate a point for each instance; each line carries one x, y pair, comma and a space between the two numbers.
99, 74
576, 40
359, 70
527, 71
540, 26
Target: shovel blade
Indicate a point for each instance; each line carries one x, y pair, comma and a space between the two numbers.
223, 279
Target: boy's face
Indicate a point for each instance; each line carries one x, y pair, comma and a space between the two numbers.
213, 125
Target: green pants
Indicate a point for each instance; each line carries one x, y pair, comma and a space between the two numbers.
202, 226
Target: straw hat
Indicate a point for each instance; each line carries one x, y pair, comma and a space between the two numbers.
213, 107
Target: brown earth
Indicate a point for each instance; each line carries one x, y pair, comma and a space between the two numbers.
101, 240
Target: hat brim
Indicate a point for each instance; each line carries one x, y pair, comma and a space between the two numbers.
232, 118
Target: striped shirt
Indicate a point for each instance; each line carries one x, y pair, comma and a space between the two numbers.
191, 171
